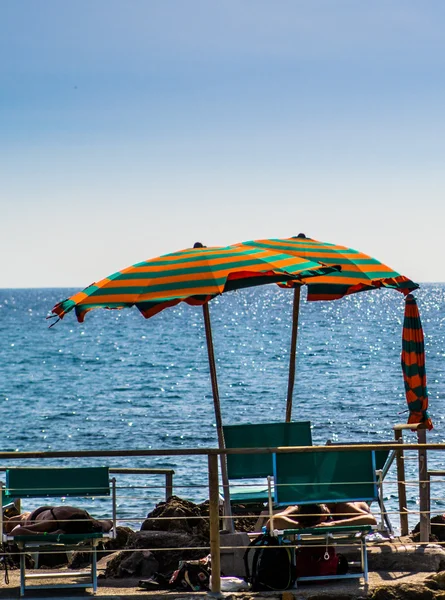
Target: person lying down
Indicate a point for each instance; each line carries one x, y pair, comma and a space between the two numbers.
55, 519
313, 515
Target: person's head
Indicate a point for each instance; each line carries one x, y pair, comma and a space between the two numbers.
11, 521
312, 514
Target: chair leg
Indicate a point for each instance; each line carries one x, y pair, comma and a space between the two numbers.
364, 558
94, 567
22, 571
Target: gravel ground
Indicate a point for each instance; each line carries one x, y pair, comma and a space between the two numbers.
124, 589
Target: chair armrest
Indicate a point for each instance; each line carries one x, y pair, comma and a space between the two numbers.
328, 529
52, 538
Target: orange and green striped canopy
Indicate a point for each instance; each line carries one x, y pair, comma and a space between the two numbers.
194, 275
413, 364
359, 271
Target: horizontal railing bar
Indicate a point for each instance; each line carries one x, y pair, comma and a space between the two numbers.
47, 575
128, 471
217, 451
142, 471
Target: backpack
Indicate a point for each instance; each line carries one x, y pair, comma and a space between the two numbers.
190, 576
313, 561
272, 564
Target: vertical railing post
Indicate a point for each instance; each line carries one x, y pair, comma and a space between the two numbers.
168, 485
423, 489
215, 556
113, 499
401, 485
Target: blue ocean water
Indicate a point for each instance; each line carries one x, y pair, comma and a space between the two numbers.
119, 381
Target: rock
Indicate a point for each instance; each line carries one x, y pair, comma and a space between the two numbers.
403, 591
138, 564
437, 533
436, 581
12, 558
81, 559
123, 536
408, 558
103, 562
155, 541
48, 559
177, 514
244, 516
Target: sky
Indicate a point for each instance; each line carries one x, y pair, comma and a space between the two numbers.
134, 128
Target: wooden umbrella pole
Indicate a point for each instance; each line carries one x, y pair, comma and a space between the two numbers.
293, 353
221, 443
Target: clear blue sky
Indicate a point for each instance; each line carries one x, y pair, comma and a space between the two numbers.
132, 128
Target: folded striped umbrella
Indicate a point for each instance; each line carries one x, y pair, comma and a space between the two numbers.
194, 275
359, 272
413, 364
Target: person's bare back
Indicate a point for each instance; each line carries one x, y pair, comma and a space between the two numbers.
55, 519
350, 513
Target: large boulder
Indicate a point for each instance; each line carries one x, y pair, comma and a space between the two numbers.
404, 591
437, 533
135, 564
178, 515
167, 548
176, 524
82, 558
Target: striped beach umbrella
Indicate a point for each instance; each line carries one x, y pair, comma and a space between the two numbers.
195, 276
359, 272
413, 364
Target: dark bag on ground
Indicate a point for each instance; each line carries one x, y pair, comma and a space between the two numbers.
191, 576
272, 564
312, 561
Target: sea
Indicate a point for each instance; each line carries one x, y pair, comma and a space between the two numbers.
119, 381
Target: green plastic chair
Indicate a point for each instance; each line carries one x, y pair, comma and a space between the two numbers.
255, 466
325, 477
58, 482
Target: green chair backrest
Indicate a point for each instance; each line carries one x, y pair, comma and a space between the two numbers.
381, 456
37, 482
323, 477
261, 435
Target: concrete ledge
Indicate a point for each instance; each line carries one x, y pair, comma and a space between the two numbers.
408, 558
